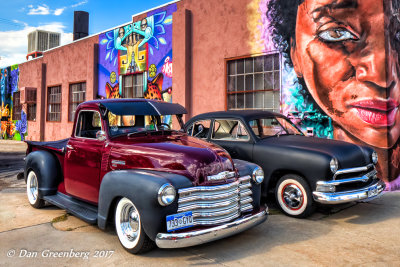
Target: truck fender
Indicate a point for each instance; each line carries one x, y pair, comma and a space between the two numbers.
141, 187
48, 171
246, 168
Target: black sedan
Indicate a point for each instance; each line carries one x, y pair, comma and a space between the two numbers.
300, 170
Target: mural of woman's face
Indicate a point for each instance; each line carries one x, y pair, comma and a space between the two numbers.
350, 66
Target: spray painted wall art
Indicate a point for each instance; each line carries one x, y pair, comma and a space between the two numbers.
143, 50
10, 128
340, 69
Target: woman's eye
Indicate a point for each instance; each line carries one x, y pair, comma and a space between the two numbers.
336, 35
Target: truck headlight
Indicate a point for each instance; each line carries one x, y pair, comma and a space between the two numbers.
374, 157
166, 194
334, 165
258, 175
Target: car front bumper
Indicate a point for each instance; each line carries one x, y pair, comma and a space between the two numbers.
197, 237
349, 196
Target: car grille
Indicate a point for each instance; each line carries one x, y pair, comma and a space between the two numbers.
217, 204
353, 172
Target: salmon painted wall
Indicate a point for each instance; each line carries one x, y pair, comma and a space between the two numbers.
76, 62
219, 31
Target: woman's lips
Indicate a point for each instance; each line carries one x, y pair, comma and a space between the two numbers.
377, 112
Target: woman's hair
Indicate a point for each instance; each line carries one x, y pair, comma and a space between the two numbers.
282, 18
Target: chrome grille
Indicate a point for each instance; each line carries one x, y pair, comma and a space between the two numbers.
216, 204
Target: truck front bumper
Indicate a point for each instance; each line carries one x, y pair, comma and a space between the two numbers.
364, 194
197, 237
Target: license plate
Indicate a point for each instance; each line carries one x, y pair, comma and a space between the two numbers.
179, 221
373, 191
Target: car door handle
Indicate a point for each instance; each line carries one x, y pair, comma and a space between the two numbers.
70, 147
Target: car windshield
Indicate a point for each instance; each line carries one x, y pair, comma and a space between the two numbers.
273, 126
131, 124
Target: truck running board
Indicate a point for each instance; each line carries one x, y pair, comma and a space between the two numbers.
80, 209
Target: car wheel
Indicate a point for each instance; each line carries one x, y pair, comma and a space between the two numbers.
32, 191
294, 196
129, 228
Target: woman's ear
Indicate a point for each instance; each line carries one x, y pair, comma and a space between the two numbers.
294, 59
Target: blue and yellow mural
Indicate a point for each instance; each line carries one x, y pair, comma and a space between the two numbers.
142, 47
10, 129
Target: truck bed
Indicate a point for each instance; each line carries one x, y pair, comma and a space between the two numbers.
58, 145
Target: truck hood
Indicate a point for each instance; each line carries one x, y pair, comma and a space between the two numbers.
346, 153
175, 153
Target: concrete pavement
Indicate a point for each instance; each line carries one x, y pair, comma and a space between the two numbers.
364, 234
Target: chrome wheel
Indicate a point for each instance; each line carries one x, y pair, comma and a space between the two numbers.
293, 196
127, 223
32, 188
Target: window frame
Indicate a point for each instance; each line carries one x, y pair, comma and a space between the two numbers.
47, 106
31, 102
77, 120
17, 109
232, 140
253, 91
192, 126
134, 86
70, 93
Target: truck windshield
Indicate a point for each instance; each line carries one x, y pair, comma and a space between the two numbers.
129, 124
274, 126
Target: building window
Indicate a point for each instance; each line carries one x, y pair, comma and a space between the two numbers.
17, 107
77, 95
31, 103
132, 86
54, 103
254, 83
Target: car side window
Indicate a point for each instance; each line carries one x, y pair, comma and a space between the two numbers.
88, 124
200, 129
230, 130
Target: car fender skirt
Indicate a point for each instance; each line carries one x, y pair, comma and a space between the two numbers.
48, 171
141, 187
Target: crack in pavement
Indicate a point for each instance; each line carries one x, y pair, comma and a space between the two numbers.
23, 227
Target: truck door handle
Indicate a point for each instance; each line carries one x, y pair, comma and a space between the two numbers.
70, 147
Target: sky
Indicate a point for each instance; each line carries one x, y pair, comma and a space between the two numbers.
20, 17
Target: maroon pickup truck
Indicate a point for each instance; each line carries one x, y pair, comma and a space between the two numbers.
122, 164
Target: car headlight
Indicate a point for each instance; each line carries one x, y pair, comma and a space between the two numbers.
374, 157
166, 194
330, 188
258, 175
334, 165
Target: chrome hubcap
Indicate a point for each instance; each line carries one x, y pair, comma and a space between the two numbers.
293, 196
129, 222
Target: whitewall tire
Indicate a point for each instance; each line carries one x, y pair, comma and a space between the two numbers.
294, 196
128, 226
32, 190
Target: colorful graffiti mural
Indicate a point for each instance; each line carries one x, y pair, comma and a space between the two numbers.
10, 129
340, 71
142, 47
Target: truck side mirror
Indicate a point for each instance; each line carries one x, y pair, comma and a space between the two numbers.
101, 135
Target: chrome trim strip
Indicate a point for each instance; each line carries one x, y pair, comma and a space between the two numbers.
351, 170
230, 210
197, 237
348, 196
210, 205
208, 188
363, 178
209, 197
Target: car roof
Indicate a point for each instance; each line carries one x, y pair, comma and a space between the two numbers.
242, 114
